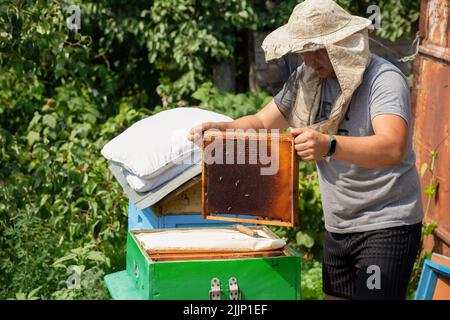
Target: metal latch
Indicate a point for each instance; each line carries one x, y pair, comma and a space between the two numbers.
214, 293
235, 293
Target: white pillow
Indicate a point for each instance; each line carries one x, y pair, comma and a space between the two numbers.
157, 143
207, 240
144, 185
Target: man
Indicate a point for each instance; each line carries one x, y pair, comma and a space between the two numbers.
350, 112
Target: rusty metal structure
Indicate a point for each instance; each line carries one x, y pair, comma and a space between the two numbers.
431, 111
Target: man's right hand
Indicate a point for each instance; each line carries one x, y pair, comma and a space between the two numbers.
195, 134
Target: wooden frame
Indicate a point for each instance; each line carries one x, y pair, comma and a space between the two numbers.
428, 279
186, 199
288, 165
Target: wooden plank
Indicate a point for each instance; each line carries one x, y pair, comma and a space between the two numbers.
209, 251
294, 183
256, 221
212, 251
194, 182
442, 289
247, 231
185, 200
233, 227
213, 255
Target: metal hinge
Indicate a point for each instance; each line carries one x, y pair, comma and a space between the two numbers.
235, 293
214, 293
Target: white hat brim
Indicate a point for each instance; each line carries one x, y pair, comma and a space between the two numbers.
280, 42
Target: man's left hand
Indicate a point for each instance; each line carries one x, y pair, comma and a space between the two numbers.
311, 145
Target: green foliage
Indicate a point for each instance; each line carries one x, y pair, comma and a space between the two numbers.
418, 263
27, 296
399, 18
233, 105
184, 38
311, 280
83, 268
56, 193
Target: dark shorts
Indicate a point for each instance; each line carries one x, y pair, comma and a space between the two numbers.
370, 265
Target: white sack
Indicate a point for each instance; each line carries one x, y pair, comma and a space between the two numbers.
207, 240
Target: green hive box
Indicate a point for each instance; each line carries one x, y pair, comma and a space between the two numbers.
268, 278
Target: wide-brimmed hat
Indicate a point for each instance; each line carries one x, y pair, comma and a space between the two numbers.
312, 25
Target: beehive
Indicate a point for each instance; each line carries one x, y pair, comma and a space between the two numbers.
226, 275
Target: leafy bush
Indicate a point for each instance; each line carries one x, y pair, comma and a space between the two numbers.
233, 105
399, 18
59, 196
311, 280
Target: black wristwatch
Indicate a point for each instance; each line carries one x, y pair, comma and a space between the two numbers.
331, 147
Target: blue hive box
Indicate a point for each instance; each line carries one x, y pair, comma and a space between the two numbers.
145, 219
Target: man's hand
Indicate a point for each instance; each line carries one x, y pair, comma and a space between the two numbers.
269, 117
311, 145
195, 134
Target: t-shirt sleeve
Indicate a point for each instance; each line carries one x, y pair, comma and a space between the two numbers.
286, 97
390, 95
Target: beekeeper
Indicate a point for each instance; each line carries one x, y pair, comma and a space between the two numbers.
350, 112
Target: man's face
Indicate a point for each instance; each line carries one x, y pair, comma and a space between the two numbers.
320, 62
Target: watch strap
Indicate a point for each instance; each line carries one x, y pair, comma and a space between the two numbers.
331, 146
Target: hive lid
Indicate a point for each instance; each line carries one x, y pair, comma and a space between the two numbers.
249, 173
146, 199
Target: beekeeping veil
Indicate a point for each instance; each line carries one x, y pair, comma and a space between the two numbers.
314, 25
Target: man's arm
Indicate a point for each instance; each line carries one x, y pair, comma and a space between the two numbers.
385, 148
270, 117
389, 109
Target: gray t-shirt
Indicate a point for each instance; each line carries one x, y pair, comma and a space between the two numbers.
357, 199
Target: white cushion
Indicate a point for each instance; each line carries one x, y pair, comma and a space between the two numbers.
207, 240
144, 185
155, 144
